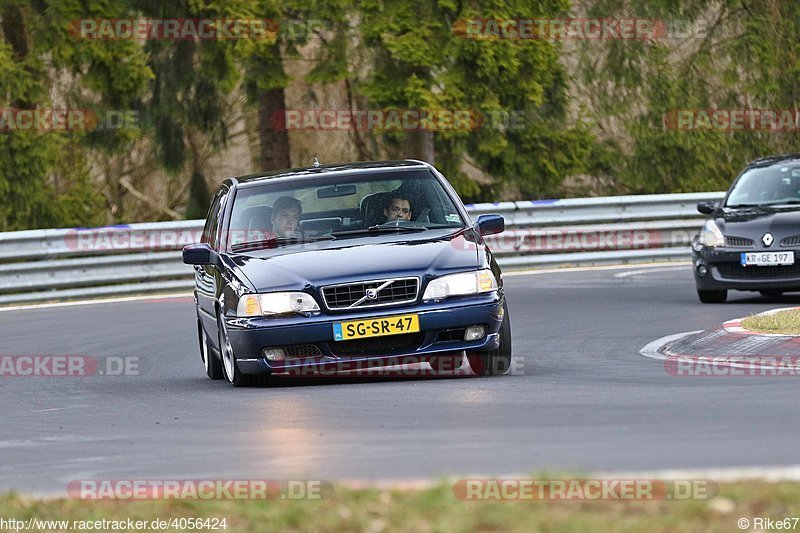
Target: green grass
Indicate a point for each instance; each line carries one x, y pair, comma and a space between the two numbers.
784, 322
437, 509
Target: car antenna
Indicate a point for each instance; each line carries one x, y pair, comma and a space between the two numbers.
315, 164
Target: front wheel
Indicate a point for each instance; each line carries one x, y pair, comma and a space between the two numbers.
494, 362
712, 297
230, 369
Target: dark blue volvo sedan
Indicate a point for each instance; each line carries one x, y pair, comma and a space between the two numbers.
346, 267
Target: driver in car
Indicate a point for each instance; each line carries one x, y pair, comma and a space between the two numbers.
399, 208
286, 213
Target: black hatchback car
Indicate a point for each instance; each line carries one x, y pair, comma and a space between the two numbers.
342, 267
752, 240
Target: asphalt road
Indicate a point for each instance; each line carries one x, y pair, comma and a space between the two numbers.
586, 401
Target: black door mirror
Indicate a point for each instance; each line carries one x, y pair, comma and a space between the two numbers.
706, 207
490, 224
199, 254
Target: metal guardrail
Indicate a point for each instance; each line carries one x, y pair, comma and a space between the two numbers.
60, 264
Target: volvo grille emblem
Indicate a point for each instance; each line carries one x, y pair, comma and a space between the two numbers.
372, 294
767, 238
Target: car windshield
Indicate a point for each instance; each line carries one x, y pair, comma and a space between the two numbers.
294, 212
772, 185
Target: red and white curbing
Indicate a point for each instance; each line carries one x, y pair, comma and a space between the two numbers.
735, 325
743, 348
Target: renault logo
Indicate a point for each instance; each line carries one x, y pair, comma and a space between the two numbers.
372, 294
767, 238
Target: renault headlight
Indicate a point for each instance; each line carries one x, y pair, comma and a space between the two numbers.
710, 236
460, 284
276, 303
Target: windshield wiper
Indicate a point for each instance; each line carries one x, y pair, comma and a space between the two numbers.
372, 230
787, 202
382, 227
277, 241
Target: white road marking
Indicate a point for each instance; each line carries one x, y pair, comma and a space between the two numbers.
723, 474
43, 441
770, 474
98, 301
651, 349
648, 270
674, 264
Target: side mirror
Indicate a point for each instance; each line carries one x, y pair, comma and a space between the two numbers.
490, 224
199, 254
706, 207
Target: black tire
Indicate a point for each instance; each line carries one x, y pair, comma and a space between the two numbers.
771, 294
212, 365
494, 362
712, 297
230, 369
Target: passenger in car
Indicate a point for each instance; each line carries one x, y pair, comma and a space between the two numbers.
286, 213
399, 208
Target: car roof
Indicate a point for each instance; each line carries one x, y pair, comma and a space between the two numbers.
773, 160
316, 171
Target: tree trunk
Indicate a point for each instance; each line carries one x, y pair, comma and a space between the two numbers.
272, 131
420, 146
15, 31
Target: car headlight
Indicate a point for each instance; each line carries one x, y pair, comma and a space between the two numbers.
276, 303
710, 236
460, 284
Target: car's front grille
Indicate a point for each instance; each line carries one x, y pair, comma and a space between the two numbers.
794, 240
737, 271
739, 242
302, 350
371, 293
388, 345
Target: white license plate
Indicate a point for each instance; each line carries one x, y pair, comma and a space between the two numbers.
767, 258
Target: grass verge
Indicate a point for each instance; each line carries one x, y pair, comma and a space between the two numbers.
784, 322
436, 509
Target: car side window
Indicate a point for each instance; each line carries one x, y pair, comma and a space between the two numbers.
212, 221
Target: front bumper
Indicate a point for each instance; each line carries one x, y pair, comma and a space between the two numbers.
249, 337
724, 271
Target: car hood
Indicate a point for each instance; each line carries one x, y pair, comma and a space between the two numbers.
755, 222
355, 259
